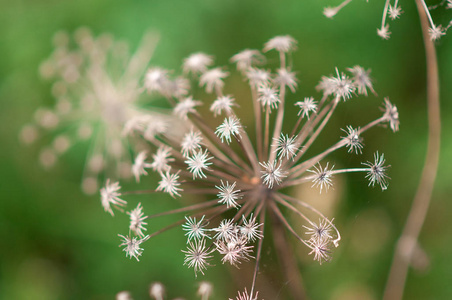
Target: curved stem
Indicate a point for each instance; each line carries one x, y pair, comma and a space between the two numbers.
408, 240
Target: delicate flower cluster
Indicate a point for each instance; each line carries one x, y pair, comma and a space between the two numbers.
246, 179
394, 11
97, 86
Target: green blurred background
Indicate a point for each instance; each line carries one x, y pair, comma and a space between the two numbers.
57, 243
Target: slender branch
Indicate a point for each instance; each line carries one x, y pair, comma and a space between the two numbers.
416, 217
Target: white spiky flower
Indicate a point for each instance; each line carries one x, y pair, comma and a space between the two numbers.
198, 163
320, 231
191, 142
156, 80
258, 77
245, 296
132, 245
226, 230
197, 256
185, 107
228, 194
170, 184
161, 159
330, 12
272, 173
284, 44
384, 32
247, 58
268, 96
140, 165
353, 140
361, 79
250, 229
436, 32
286, 146
195, 229
342, 86
285, 77
137, 218
222, 104
377, 171
197, 63
110, 196
394, 11
391, 114
306, 106
213, 80
320, 250
230, 127
322, 177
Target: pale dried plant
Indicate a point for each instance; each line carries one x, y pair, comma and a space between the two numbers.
230, 172
98, 89
393, 12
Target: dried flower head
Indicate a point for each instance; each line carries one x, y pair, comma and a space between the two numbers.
245, 180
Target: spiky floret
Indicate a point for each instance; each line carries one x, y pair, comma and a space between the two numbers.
191, 142
170, 184
222, 104
140, 165
306, 106
377, 171
197, 256
110, 196
198, 163
197, 63
195, 229
228, 194
230, 127
353, 140
322, 177
132, 245
272, 173
286, 146
268, 96
137, 218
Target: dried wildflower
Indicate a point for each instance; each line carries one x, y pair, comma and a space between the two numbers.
198, 162
91, 102
230, 127
247, 59
268, 96
246, 181
377, 171
170, 184
132, 245
213, 80
361, 79
185, 107
322, 177
191, 142
320, 250
353, 140
197, 63
395, 12
285, 77
384, 32
391, 115
136, 220
286, 146
110, 196
283, 44
140, 165
195, 230
258, 77
306, 106
161, 159
272, 173
228, 194
250, 229
222, 104
196, 256
436, 32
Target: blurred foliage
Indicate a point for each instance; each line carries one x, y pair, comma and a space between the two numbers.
57, 243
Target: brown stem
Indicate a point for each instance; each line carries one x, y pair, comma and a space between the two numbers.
416, 217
